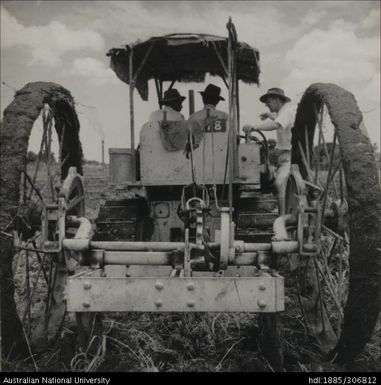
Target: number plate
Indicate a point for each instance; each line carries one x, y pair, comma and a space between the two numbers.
216, 125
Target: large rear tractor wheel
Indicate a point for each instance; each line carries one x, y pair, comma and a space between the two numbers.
32, 281
334, 172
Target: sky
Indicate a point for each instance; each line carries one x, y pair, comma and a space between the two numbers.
300, 43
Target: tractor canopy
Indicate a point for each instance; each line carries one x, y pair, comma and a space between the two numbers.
184, 57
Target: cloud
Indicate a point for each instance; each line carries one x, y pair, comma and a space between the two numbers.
372, 20
335, 55
94, 70
133, 20
47, 44
369, 95
338, 55
312, 17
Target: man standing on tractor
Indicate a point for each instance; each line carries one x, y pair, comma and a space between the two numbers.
173, 104
210, 97
280, 118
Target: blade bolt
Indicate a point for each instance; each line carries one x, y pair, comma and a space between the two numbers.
159, 303
190, 303
262, 286
261, 303
86, 304
87, 285
190, 286
159, 285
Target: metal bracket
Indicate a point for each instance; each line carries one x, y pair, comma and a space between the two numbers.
187, 255
309, 224
225, 238
53, 226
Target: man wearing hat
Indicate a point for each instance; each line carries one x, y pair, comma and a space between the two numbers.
210, 97
280, 118
173, 103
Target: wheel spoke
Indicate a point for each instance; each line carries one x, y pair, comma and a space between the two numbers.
337, 167
320, 298
331, 250
30, 298
330, 287
313, 186
317, 161
341, 183
24, 186
340, 279
328, 175
59, 167
41, 262
304, 159
49, 288
307, 147
309, 171
27, 177
335, 234
38, 160
52, 300
321, 123
27, 291
48, 162
74, 202
61, 143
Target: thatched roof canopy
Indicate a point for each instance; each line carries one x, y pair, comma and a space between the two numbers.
182, 57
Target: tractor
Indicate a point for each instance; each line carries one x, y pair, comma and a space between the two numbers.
196, 226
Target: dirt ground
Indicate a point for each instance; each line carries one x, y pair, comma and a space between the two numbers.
223, 342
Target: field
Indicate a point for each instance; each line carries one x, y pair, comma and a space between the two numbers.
223, 342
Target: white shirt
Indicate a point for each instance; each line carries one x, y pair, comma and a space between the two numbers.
171, 115
213, 113
286, 118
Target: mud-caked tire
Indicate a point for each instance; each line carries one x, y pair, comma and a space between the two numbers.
363, 196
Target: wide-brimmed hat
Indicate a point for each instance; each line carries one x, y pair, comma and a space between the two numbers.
212, 90
172, 95
278, 92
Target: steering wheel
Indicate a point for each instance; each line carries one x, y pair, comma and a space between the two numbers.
263, 143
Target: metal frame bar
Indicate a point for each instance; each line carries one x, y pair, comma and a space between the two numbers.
92, 293
103, 258
241, 247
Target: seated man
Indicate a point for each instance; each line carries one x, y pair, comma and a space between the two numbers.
210, 97
172, 103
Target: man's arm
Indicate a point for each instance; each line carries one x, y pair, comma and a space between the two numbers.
268, 115
268, 125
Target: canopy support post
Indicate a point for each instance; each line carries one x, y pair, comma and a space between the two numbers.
191, 102
226, 71
226, 83
143, 62
158, 92
172, 84
232, 148
132, 86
